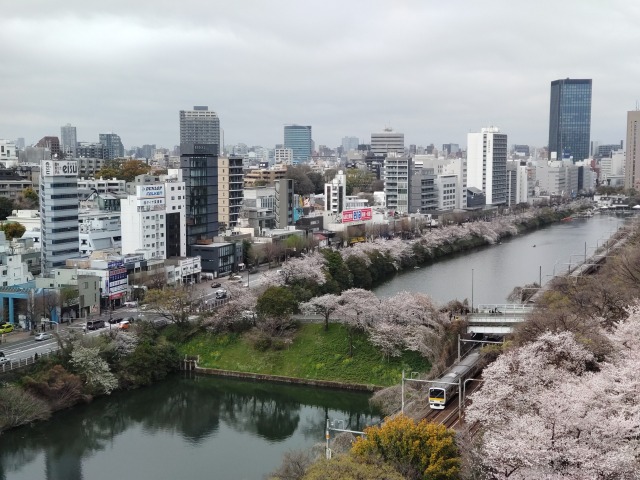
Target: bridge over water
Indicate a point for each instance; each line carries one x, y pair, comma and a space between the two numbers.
497, 319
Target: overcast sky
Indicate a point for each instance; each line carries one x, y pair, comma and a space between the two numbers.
433, 70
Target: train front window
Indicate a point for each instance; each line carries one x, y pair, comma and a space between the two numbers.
436, 393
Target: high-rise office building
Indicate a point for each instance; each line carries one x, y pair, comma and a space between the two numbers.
487, 164
68, 140
113, 145
58, 213
298, 139
570, 118
349, 144
335, 193
200, 125
230, 189
397, 170
284, 202
199, 150
387, 142
632, 166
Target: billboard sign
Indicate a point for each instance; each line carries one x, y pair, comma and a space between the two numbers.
357, 215
150, 191
54, 168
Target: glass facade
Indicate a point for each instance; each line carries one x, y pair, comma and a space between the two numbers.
298, 139
199, 164
570, 118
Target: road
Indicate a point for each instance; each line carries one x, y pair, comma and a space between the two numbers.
22, 345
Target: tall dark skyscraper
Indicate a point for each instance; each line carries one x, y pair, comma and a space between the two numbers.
298, 139
570, 118
199, 147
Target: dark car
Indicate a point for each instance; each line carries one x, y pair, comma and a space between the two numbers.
115, 320
216, 285
95, 324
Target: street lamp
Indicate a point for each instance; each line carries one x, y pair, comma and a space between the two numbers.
472, 290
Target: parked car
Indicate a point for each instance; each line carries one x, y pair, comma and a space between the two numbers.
6, 328
216, 285
43, 336
131, 304
222, 293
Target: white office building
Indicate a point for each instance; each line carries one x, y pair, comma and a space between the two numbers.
487, 164
8, 154
556, 177
335, 193
397, 169
154, 219
447, 168
283, 156
612, 169
387, 142
99, 230
102, 185
58, 212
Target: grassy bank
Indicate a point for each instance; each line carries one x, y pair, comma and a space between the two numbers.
313, 354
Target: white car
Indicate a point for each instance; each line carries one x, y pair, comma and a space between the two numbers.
43, 336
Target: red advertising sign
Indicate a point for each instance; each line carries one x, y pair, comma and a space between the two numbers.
359, 215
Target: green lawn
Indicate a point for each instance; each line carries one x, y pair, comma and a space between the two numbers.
314, 354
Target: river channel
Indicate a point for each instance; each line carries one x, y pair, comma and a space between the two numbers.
183, 428
214, 428
491, 272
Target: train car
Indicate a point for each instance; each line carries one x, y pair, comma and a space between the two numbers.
441, 393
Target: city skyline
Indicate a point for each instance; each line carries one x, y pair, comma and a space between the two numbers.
453, 68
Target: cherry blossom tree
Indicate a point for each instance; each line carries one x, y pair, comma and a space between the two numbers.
407, 321
358, 310
547, 410
308, 267
324, 305
93, 369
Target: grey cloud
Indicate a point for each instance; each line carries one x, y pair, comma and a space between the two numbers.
434, 70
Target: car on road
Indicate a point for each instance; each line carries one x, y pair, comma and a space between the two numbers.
6, 328
95, 324
115, 320
124, 325
216, 285
222, 293
43, 336
4, 360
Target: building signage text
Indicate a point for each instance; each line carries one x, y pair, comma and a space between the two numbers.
150, 191
54, 168
358, 215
